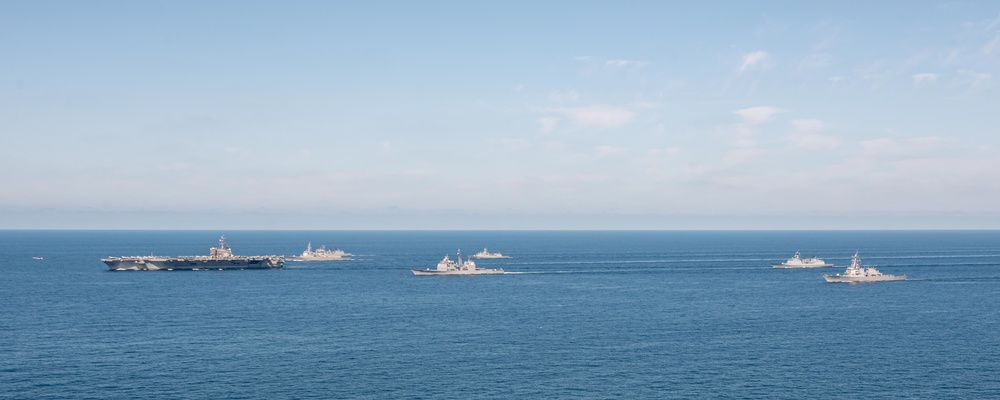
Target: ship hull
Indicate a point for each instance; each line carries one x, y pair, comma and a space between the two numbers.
193, 264
305, 259
429, 272
800, 266
863, 279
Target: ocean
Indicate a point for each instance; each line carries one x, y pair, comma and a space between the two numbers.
582, 314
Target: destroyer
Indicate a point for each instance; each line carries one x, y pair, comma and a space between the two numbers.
858, 273
220, 257
321, 254
449, 267
797, 262
486, 254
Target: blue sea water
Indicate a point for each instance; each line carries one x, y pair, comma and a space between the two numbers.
586, 315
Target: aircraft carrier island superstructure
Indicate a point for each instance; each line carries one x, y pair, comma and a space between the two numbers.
220, 257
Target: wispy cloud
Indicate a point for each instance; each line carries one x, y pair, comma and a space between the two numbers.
625, 63
975, 79
808, 125
668, 151
893, 147
569, 96
547, 124
602, 117
755, 60
807, 136
814, 62
758, 115
924, 78
609, 151
739, 156
993, 46
813, 141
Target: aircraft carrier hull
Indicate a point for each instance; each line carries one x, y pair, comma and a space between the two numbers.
193, 263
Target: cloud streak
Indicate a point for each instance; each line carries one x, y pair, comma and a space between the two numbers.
924, 78
599, 117
755, 60
625, 63
758, 115
885, 147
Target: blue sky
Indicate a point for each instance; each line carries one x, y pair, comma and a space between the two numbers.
500, 115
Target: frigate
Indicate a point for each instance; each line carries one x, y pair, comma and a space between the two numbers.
797, 262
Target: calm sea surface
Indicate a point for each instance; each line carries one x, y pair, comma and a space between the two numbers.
586, 315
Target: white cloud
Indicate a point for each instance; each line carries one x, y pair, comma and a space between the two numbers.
513, 144
547, 124
625, 63
609, 151
975, 79
668, 151
993, 46
602, 117
923, 78
758, 59
814, 62
813, 141
891, 147
564, 97
758, 115
554, 146
739, 156
807, 136
241, 151
808, 125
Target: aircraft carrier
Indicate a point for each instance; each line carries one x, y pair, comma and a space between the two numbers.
220, 257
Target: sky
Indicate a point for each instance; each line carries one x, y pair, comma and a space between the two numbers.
499, 115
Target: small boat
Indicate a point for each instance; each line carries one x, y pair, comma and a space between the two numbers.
37, 258
321, 254
797, 262
449, 267
486, 254
857, 273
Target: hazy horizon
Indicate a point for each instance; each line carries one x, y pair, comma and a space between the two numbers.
764, 115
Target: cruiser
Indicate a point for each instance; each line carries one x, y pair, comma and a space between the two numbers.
486, 254
220, 257
449, 267
321, 254
858, 273
797, 262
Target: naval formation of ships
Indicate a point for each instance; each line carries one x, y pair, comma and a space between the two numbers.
221, 257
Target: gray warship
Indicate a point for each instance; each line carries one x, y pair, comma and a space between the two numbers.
220, 257
857, 273
449, 267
